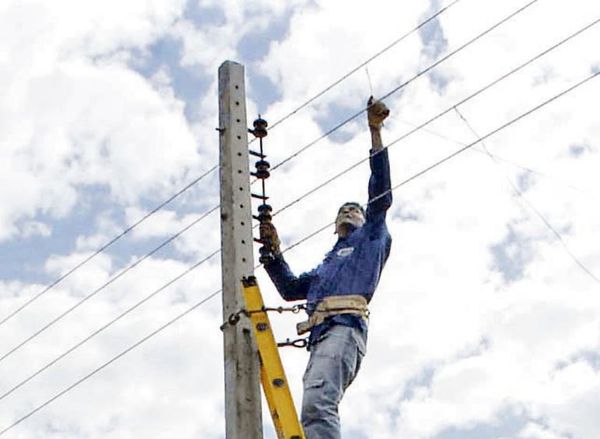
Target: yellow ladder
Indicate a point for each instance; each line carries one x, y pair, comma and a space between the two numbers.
272, 375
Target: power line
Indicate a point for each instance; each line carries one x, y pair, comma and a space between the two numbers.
404, 84
107, 325
106, 246
364, 63
109, 362
215, 167
156, 209
495, 131
279, 121
413, 177
194, 182
529, 204
457, 152
498, 158
299, 242
106, 284
446, 111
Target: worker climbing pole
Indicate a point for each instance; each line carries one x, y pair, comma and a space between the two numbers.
337, 292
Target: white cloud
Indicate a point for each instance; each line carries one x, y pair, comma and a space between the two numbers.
452, 344
73, 117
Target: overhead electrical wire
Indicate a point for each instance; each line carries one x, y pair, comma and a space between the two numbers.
105, 284
459, 151
529, 204
216, 166
109, 362
190, 185
446, 111
107, 325
405, 83
314, 233
105, 246
297, 243
364, 63
498, 158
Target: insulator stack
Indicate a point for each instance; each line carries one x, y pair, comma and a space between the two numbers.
262, 173
260, 127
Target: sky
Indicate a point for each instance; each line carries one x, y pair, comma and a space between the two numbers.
486, 321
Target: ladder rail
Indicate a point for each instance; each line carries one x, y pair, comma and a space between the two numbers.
274, 382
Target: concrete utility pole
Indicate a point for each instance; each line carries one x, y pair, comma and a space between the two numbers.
243, 418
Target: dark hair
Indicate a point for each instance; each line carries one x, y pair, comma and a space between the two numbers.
352, 204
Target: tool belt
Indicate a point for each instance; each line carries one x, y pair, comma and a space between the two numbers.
335, 305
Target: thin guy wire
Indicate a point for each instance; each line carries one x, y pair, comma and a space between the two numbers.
455, 153
438, 163
105, 246
109, 362
107, 283
446, 111
364, 63
505, 160
404, 84
369, 79
106, 325
529, 204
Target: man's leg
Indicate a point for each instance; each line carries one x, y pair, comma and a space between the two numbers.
333, 365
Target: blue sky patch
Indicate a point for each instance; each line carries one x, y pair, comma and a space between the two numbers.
507, 425
578, 149
511, 256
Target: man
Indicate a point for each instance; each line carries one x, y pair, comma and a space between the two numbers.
338, 291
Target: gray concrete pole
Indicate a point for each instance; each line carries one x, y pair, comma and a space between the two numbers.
243, 418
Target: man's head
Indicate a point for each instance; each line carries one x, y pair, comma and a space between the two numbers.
350, 216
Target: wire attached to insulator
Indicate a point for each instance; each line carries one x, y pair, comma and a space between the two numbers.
262, 173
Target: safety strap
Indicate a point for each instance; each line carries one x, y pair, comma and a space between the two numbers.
335, 305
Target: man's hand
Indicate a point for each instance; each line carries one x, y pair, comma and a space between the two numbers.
377, 111
270, 238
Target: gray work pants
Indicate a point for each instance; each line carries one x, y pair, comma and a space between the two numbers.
333, 365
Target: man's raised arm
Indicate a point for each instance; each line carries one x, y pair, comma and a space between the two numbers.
380, 195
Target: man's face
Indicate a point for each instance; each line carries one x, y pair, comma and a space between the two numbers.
348, 215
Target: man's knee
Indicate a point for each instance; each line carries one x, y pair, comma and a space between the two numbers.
320, 400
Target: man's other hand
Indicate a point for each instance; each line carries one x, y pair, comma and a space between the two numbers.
269, 237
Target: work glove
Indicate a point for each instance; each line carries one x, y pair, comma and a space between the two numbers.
270, 238
377, 111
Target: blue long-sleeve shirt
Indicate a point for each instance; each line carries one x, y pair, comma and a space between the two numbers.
354, 264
